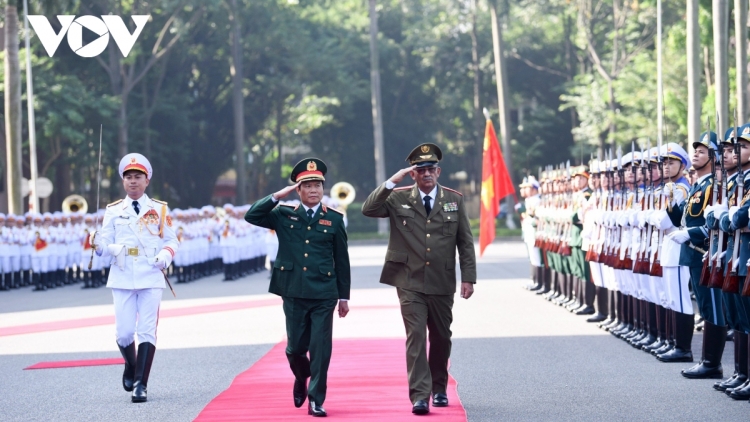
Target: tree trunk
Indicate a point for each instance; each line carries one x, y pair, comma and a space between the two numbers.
476, 161
721, 69
502, 102
278, 180
377, 109
693, 72
740, 35
122, 133
238, 105
13, 112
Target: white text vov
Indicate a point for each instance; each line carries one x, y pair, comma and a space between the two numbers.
73, 27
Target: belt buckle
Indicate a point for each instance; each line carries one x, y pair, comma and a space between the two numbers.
133, 251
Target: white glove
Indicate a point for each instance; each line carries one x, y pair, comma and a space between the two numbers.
633, 218
163, 259
643, 218
707, 210
705, 255
622, 219
118, 251
668, 189
732, 211
661, 220
720, 210
92, 239
679, 236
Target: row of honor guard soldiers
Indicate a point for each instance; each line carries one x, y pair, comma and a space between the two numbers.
628, 239
52, 249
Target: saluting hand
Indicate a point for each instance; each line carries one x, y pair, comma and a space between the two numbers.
399, 176
286, 191
343, 308
467, 289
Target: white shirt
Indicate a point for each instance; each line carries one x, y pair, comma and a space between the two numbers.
433, 193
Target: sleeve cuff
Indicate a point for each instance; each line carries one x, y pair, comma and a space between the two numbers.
274, 200
389, 185
343, 300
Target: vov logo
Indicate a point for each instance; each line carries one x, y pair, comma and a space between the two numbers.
73, 27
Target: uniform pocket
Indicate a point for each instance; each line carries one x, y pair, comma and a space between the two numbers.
283, 265
450, 228
327, 272
405, 219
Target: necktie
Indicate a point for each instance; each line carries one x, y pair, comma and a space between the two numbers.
136, 207
427, 205
310, 213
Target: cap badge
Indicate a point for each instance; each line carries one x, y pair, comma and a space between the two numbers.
425, 148
311, 166
133, 160
746, 130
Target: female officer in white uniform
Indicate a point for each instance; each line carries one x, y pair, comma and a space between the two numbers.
137, 234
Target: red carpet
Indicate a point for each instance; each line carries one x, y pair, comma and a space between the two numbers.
110, 319
366, 382
75, 363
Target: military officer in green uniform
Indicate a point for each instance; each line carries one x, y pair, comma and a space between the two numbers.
311, 274
429, 223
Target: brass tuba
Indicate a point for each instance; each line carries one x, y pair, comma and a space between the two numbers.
75, 204
344, 193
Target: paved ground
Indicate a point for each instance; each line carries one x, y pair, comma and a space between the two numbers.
515, 356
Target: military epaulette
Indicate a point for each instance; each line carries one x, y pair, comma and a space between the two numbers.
453, 190
403, 188
158, 201
114, 203
335, 210
286, 205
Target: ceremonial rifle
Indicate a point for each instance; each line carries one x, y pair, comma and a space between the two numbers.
716, 281
731, 281
706, 270
642, 260
656, 270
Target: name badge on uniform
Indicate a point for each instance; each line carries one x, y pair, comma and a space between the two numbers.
450, 207
324, 223
291, 217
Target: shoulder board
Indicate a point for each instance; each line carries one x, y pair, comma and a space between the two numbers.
403, 188
114, 203
158, 201
335, 210
286, 205
453, 190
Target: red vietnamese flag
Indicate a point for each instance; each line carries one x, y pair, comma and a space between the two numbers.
496, 185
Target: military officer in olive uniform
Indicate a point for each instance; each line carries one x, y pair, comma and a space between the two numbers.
428, 223
310, 272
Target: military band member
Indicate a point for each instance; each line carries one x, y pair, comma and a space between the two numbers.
311, 274
428, 223
137, 234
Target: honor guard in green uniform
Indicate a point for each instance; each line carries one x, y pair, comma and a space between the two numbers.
310, 272
429, 223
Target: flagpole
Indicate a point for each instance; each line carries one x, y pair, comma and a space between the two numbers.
33, 197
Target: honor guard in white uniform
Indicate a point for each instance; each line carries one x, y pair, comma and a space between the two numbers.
137, 234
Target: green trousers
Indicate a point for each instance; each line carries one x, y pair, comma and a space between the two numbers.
309, 327
422, 312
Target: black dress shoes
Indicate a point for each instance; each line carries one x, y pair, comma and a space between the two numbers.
597, 318
440, 400
740, 393
677, 354
316, 410
703, 370
299, 392
588, 310
420, 407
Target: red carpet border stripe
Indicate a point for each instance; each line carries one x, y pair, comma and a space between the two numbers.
76, 363
366, 382
110, 319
